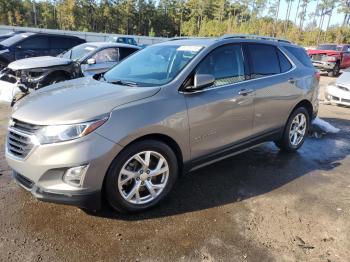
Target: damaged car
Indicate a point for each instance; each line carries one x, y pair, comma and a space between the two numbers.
339, 92
26, 75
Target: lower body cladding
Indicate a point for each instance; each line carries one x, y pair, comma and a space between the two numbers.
69, 172
335, 95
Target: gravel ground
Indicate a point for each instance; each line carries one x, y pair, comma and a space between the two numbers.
261, 205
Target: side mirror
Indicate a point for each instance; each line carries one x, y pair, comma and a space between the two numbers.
91, 61
202, 81
18, 47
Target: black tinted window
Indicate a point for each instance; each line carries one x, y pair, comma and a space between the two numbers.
62, 42
284, 62
124, 52
225, 63
36, 42
264, 60
301, 55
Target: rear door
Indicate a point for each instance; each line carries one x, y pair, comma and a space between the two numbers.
220, 115
37, 45
274, 86
104, 60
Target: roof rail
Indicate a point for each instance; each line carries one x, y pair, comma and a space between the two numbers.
247, 36
187, 38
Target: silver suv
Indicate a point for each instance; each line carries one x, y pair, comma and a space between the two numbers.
126, 135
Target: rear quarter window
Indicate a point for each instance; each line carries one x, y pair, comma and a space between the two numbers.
284, 62
300, 54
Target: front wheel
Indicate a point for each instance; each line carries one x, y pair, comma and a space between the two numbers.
295, 130
141, 176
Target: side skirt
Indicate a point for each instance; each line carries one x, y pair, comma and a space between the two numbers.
232, 150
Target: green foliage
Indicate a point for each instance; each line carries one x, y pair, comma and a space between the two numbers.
170, 18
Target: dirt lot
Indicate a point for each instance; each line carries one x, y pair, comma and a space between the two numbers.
259, 206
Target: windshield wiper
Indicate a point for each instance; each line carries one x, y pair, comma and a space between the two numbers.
123, 82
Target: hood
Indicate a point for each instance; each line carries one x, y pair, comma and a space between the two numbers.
38, 62
344, 79
76, 101
328, 52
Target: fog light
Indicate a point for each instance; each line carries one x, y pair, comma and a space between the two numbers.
75, 175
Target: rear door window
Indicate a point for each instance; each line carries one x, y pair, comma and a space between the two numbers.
57, 42
125, 52
264, 60
301, 55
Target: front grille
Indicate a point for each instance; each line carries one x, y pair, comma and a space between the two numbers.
317, 57
346, 100
19, 142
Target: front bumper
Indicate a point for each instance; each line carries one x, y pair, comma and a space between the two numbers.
42, 171
91, 201
324, 66
335, 95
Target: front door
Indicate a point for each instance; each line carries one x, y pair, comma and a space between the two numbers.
220, 115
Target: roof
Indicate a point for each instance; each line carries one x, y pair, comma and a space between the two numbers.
107, 44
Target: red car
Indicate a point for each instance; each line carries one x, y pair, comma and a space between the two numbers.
330, 58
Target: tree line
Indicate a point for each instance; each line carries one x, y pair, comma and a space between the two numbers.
310, 25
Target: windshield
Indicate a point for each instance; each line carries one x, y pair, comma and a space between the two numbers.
13, 39
78, 52
153, 66
330, 47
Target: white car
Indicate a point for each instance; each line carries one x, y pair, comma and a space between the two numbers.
339, 92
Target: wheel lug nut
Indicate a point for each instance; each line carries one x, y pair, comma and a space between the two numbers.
148, 172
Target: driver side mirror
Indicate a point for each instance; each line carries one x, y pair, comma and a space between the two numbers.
202, 81
91, 61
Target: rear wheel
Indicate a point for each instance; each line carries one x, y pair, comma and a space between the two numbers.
295, 131
141, 176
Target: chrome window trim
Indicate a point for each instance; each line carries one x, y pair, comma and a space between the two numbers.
249, 80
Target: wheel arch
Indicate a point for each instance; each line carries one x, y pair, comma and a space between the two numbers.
304, 103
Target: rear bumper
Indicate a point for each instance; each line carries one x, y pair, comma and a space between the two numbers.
324, 66
91, 200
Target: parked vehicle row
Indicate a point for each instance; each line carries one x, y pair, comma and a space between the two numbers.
26, 75
124, 136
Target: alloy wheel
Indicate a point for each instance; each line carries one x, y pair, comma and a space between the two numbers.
143, 177
297, 129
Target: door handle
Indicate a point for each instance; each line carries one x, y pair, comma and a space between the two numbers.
245, 92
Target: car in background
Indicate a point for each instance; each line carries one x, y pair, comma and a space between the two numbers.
330, 58
8, 35
25, 75
26, 45
339, 92
122, 39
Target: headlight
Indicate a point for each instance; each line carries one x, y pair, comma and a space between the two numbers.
60, 133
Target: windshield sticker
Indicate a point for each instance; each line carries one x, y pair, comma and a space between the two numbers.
190, 48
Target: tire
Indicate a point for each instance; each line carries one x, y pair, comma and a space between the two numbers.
288, 142
127, 176
335, 71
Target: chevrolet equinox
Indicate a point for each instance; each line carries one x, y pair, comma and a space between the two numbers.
126, 135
